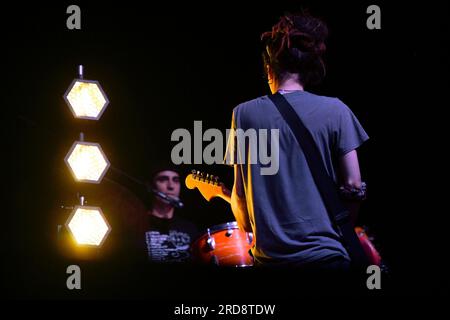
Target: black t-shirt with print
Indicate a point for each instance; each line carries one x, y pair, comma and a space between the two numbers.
169, 240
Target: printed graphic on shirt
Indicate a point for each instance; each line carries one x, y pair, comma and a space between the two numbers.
172, 247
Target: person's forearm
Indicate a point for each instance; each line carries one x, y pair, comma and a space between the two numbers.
352, 196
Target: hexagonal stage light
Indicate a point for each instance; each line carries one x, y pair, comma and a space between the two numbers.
86, 99
87, 162
88, 226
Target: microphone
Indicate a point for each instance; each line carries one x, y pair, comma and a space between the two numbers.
173, 201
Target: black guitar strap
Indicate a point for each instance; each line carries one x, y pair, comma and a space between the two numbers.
326, 185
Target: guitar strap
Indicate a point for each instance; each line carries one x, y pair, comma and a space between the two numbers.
326, 185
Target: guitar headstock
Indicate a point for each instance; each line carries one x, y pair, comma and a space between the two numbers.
208, 185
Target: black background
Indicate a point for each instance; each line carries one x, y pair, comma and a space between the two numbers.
164, 65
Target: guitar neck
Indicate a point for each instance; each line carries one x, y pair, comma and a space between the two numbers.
225, 197
208, 187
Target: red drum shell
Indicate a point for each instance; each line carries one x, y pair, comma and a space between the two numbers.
224, 245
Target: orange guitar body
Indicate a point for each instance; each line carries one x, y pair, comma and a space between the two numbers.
370, 250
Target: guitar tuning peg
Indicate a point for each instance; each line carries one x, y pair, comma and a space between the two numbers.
216, 180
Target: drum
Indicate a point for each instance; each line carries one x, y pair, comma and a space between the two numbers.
224, 245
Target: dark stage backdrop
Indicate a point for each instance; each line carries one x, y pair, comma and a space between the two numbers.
165, 65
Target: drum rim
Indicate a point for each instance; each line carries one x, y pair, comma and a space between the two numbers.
222, 226
215, 228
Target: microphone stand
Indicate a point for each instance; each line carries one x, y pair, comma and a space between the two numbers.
172, 201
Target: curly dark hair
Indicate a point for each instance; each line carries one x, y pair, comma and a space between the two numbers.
296, 45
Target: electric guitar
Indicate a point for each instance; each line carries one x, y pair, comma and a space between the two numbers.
210, 187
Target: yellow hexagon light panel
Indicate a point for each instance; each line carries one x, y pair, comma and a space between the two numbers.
87, 162
88, 226
86, 99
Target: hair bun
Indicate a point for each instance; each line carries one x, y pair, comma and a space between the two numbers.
302, 41
296, 45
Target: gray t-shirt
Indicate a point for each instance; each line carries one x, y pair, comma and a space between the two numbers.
288, 217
